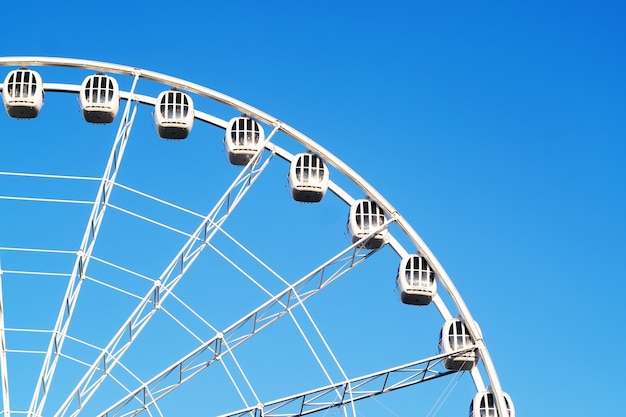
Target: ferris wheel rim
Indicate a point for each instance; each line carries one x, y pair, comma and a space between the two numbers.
308, 143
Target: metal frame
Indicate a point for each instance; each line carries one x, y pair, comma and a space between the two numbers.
355, 389
164, 285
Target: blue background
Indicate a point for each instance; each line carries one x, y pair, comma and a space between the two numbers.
495, 128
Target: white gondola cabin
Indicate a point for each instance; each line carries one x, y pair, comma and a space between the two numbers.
244, 138
99, 98
366, 219
173, 114
454, 336
22, 93
308, 178
484, 405
416, 281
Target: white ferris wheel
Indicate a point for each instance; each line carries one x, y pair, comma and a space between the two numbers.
244, 271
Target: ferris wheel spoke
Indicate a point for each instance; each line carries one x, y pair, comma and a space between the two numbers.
6, 406
298, 325
161, 289
81, 263
352, 390
239, 332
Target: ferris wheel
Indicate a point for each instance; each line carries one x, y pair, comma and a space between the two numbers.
216, 261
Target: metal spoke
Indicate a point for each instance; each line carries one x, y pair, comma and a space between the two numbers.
68, 304
351, 390
160, 290
242, 330
3, 357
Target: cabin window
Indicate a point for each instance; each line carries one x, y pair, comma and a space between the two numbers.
484, 405
88, 90
99, 89
245, 132
10, 85
102, 92
22, 84
458, 336
369, 216
487, 406
310, 169
174, 105
418, 272
110, 89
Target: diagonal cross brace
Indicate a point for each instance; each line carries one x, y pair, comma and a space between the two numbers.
354, 389
160, 290
64, 317
239, 332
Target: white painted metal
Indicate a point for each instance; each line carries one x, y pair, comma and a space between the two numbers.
308, 178
483, 405
366, 217
329, 158
354, 389
416, 280
244, 138
249, 325
6, 404
454, 336
23, 93
82, 262
99, 98
160, 290
293, 317
173, 114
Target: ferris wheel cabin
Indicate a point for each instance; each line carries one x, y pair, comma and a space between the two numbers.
366, 219
308, 178
173, 114
22, 93
484, 405
244, 138
416, 281
454, 336
99, 98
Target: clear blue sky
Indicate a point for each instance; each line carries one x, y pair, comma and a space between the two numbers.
496, 128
